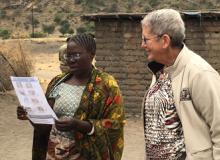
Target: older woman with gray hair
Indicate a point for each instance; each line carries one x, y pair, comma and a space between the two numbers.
182, 105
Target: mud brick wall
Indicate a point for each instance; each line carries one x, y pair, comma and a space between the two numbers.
203, 37
119, 53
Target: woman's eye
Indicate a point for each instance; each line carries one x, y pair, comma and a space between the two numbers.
77, 55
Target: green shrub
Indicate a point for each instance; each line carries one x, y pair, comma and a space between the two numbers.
58, 18
93, 5
48, 28
37, 35
4, 33
81, 30
153, 3
78, 1
130, 4
65, 26
88, 27
71, 31
147, 8
113, 8
71, 15
94, 2
35, 22
26, 25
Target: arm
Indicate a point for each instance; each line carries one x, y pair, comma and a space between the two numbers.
108, 122
22, 115
69, 124
206, 98
40, 138
109, 127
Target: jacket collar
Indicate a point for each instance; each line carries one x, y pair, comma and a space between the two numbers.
180, 62
182, 59
155, 67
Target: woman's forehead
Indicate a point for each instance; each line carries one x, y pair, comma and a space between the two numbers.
73, 46
146, 30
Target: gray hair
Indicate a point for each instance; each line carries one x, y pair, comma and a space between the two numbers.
166, 21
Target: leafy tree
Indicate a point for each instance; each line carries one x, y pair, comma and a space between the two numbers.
48, 28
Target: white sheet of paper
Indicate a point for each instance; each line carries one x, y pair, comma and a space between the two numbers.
31, 96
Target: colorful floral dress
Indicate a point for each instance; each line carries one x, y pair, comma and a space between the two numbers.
102, 105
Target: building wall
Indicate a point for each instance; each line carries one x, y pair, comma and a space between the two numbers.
119, 53
203, 37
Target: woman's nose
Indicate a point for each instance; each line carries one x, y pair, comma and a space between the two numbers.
143, 45
71, 61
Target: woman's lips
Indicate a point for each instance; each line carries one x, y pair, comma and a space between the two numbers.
73, 65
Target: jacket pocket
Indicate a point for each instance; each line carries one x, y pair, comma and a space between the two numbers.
201, 155
196, 133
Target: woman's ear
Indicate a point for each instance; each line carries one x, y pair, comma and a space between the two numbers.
166, 40
93, 61
91, 56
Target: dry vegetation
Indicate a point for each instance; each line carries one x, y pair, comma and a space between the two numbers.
63, 17
13, 62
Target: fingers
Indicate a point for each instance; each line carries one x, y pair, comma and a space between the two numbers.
64, 125
21, 113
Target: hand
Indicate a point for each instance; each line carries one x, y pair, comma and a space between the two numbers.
66, 124
21, 113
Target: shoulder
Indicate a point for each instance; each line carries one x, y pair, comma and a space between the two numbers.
106, 78
199, 66
198, 72
58, 77
54, 81
62, 48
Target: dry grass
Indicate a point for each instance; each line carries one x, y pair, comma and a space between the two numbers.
18, 62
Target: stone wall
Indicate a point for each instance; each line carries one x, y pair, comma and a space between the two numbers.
119, 53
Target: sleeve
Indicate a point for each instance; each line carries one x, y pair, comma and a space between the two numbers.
52, 83
206, 98
110, 126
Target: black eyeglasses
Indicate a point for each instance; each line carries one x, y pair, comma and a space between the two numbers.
72, 57
145, 40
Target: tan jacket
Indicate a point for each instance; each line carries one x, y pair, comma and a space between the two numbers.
196, 87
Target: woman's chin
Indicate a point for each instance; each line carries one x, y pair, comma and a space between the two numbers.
74, 70
149, 58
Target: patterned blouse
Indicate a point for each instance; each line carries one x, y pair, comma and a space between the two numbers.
61, 145
162, 127
101, 104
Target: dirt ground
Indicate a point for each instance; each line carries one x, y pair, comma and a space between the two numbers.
16, 136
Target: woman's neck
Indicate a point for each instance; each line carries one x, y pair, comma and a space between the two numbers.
80, 78
171, 56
